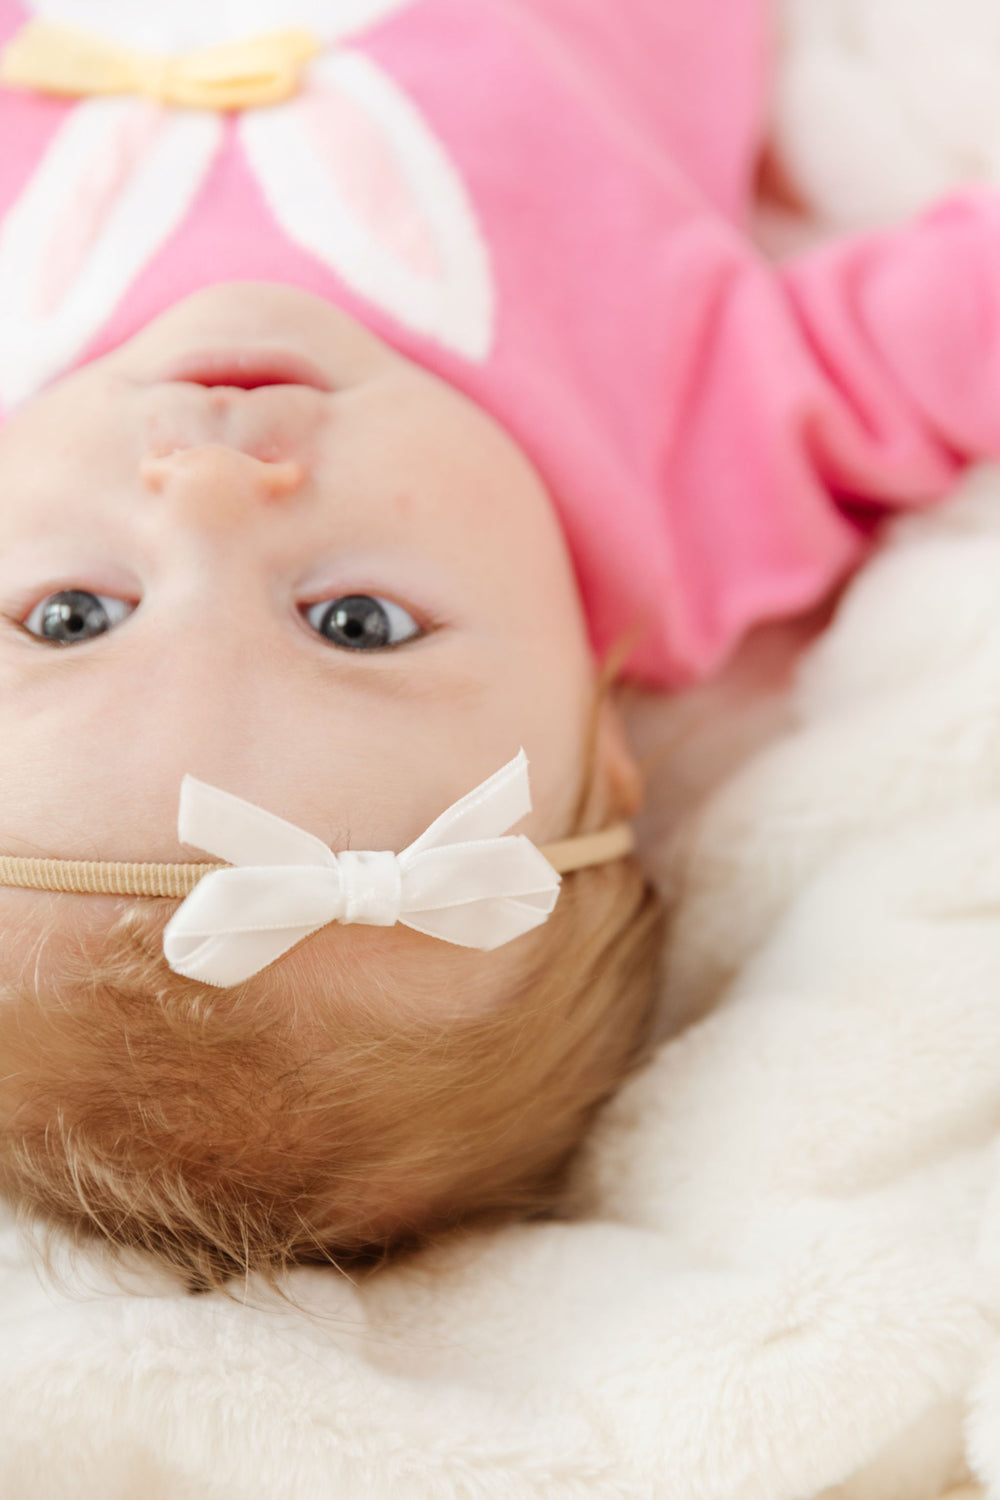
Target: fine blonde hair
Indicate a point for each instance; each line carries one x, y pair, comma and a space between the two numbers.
226, 1132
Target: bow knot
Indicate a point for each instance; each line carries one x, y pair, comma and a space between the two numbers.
371, 887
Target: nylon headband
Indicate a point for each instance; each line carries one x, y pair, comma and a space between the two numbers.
177, 881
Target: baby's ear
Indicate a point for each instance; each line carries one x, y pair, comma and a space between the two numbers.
617, 770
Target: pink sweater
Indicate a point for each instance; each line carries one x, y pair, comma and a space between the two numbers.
543, 201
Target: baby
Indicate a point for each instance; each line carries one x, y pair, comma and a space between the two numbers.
393, 408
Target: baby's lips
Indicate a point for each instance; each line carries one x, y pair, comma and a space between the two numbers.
246, 369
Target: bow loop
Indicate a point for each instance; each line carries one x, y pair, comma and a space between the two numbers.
499, 802
464, 880
240, 833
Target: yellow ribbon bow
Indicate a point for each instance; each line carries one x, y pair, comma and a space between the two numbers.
241, 75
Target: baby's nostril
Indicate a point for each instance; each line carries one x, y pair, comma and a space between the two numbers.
215, 475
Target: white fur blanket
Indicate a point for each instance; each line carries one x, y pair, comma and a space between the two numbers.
882, 105
784, 1282
787, 1272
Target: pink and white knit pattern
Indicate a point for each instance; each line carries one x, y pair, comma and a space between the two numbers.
350, 170
543, 202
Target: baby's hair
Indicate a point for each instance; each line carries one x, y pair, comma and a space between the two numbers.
229, 1132
302, 1116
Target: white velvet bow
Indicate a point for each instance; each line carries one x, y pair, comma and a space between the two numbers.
459, 881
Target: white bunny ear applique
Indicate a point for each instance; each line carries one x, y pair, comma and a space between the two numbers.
354, 173
117, 179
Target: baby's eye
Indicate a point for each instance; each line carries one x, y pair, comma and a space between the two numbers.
362, 623
74, 615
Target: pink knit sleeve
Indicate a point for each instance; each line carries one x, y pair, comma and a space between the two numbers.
855, 379
905, 326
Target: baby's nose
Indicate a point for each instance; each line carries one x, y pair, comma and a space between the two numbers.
213, 486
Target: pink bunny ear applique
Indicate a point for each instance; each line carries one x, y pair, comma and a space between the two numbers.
354, 174
115, 182
13, 14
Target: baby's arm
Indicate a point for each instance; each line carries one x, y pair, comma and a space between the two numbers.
856, 378
904, 328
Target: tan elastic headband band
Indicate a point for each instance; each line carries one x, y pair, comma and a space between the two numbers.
175, 882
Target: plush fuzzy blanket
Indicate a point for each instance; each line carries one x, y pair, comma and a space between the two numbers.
785, 1273
882, 105
783, 1278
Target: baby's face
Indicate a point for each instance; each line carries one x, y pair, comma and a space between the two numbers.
344, 597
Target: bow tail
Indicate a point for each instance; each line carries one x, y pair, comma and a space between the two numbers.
480, 894
236, 922
227, 959
486, 924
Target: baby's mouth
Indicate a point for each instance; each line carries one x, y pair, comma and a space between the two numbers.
269, 403
246, 369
